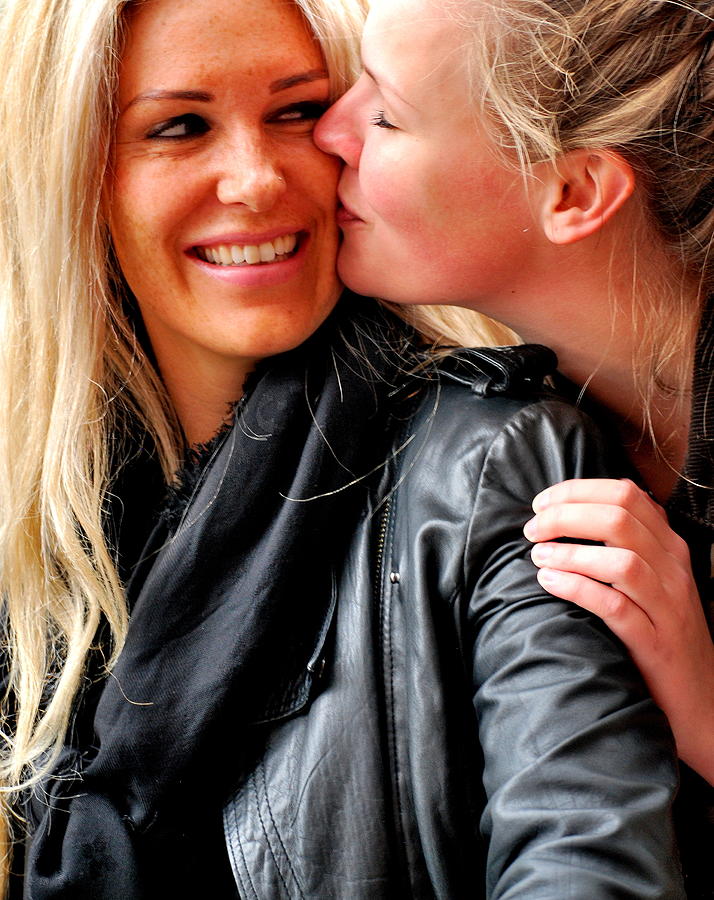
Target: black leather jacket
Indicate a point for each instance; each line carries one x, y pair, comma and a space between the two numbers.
457, 732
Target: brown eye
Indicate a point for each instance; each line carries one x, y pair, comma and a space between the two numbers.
308, 111
189, 125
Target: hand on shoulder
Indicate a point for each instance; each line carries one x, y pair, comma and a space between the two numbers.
641, 585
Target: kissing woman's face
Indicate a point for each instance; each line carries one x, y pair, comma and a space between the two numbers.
429, 214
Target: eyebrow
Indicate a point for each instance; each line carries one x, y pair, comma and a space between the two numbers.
148, 96
382, 83
281, 84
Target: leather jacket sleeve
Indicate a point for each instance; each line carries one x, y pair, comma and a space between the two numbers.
579, 767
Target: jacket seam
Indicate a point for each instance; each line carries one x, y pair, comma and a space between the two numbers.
513, 424
267, 836
261, 770
245, 884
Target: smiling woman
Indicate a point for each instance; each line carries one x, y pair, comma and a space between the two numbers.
220, 205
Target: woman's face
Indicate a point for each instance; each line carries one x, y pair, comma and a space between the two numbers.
221, 208
428, 213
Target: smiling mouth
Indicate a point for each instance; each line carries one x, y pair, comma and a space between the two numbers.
277, 250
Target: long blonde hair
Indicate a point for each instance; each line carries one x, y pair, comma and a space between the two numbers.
74, 377
635, 76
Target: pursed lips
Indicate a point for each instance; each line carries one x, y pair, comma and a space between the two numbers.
345, 212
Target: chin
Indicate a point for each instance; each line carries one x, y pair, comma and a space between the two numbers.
360, 278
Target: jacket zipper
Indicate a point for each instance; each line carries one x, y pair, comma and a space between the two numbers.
381, 541
399, 866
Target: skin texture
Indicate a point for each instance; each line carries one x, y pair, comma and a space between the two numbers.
235, 159
431, 215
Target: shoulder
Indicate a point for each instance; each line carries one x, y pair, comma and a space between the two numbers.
490, 408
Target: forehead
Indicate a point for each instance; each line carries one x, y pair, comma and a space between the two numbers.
170, 40
418, 36
417, 48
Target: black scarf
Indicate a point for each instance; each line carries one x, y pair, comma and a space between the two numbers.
223, 629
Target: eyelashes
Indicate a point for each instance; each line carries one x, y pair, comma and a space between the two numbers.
308, 110
381, 121
179, 127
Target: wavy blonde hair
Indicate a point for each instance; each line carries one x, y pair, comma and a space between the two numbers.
75, 379
634, 76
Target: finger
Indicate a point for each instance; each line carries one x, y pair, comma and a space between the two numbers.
623, 570
610, 524
617, 492
625, 618
606, 523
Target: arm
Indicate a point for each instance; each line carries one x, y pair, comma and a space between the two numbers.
579, 768
641, 584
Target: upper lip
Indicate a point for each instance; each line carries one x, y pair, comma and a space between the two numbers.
243, 237
347, 208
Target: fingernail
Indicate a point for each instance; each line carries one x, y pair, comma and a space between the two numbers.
541, 552
547, 577
530, 529
540, 501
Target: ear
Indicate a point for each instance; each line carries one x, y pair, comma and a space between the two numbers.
583, 192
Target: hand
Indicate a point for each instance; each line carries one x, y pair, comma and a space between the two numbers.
641, 585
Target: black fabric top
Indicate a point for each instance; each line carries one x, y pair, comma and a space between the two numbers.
133, 809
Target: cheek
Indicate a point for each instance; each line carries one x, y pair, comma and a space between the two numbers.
137, 224
311, 176
394, 193
319, 175
151, 198
132, 211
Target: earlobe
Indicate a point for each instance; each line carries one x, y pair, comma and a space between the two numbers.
583, 193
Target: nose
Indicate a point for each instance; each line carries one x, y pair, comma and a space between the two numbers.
338, 133
250, 177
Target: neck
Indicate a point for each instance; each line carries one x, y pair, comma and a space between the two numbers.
594, 324
203, 396
654, 430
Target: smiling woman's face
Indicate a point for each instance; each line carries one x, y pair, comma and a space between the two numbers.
221, 208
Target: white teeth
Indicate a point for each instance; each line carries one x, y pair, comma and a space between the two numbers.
252, 254
248, 254
267, 252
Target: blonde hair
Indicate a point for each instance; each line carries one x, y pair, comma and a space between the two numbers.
634, 76
75, 379
70, 365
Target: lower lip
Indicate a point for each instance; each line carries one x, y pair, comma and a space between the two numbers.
260, 275
345, 217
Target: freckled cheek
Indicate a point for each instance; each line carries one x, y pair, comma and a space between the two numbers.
131, 204
316, 184
145, 214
